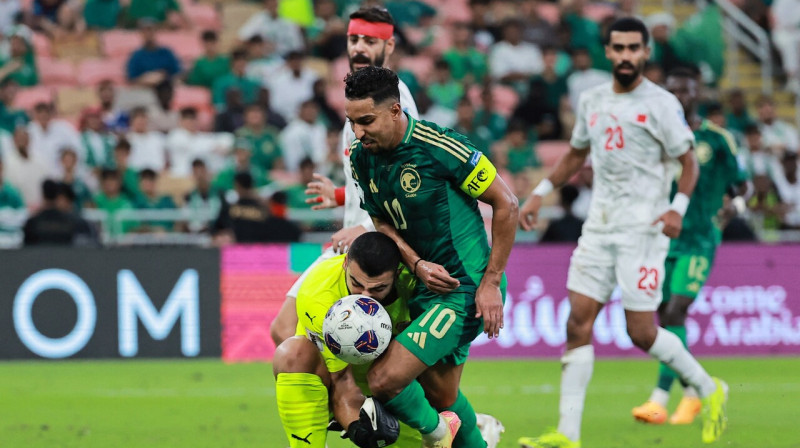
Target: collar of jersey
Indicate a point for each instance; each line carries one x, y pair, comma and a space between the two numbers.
410, 129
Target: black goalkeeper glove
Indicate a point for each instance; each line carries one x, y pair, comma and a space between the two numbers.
375, 428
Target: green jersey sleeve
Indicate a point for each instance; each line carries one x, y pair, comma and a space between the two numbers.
728, 150
358, 168
465, 166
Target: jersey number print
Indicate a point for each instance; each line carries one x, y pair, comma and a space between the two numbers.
649, 279
397, 217
615, 138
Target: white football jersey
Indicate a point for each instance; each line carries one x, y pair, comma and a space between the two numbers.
634, 138
353, 213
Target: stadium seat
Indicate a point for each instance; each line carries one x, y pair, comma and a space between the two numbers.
188, 96
92, 71
336, 99
186, 45
72, 100
76, 47
120, 43
203, 16
27, 98
597, 12
420, 66
549, 152
549, 12
456, 11
56, 72
41, 45
320, 66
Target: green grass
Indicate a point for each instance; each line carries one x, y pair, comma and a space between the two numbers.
194, 404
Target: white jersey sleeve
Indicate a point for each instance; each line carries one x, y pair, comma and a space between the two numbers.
354, 215
677, 136
580, 132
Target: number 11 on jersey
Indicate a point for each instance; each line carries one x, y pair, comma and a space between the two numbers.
399, 220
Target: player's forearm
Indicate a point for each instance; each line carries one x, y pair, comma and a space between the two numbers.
505, 213
689, 173
568, 166
410, 256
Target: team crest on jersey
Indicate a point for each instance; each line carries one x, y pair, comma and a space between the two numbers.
410, 181
703, 152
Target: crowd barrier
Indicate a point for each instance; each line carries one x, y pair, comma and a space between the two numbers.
184, 302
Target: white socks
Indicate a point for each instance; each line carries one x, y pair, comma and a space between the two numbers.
576, 371
668, 349
438, 433
659, 396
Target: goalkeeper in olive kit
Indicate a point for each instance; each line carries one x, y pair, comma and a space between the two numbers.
691, 255
421, 184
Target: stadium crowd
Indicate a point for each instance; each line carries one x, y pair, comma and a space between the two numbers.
222, 113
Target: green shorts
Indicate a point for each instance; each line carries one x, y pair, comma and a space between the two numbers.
686, 274
444, 327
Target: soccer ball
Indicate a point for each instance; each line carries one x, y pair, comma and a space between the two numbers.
357, 329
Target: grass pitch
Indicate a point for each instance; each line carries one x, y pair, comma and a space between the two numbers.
195, 404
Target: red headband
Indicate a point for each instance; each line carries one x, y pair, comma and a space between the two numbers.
361, 27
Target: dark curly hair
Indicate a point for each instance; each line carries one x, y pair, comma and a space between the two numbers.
628, 24
373, 14
373, 82
375, 253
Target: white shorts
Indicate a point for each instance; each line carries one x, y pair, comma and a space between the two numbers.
634, 260
326, 255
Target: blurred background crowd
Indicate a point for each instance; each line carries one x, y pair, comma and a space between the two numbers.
200, 122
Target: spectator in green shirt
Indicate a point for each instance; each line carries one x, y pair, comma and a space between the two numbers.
262, 138
9, 196
235, 79
517, 152
101, 14
467, 64
10, 118
296, 193
443, 89
129, 178
151, 200
211, 65
738, 118
480, 137
163, 12
487, 116
111, 200
19, 65
71, 177
203, 199
242, 153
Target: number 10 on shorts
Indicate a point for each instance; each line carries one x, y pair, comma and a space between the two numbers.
442, 323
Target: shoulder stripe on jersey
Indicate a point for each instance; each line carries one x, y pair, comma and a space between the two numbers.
355, 143
457, 145
440, 144
726, 135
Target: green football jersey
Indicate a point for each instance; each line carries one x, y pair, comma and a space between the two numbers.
716, 154
427, 188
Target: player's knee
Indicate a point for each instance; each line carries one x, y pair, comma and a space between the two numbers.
674, 314
441, 398
642, 336
382, 384
296, 355
579, 328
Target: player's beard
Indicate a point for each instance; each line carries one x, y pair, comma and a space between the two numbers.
626, 79
364, 59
